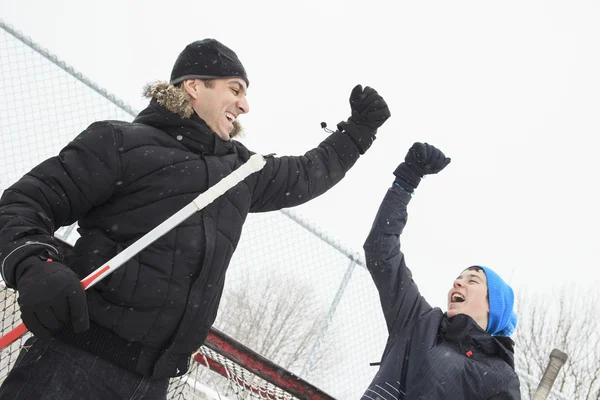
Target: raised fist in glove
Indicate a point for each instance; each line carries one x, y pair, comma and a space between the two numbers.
368, 107
369, 112
422, 159
50, 295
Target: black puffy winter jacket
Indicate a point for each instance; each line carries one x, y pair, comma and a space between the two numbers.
427, 355
119, 180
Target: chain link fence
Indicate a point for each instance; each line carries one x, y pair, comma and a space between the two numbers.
333, 326
293, 294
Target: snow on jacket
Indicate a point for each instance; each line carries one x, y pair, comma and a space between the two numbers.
119, 180
427, 355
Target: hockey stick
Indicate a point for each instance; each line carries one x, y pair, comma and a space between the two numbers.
557, 360
254, 164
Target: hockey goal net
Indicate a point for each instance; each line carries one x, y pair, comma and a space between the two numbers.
221, 369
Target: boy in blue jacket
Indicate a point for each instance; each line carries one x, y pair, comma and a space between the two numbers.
465, 353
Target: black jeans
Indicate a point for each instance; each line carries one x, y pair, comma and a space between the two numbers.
50, 370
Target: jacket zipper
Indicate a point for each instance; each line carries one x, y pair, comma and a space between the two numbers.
27, 243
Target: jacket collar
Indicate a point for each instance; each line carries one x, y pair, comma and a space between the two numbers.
464, 331
192, 132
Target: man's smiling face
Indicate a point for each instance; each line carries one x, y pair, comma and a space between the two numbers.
219, 102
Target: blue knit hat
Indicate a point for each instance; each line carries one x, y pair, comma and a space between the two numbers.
502, 320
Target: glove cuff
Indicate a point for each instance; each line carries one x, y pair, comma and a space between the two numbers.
40, 270
362, 136
15, 258
401, 186
407, 177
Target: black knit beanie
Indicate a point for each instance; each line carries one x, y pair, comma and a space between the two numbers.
206, 59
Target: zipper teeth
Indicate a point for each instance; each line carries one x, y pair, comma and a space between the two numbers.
28, 243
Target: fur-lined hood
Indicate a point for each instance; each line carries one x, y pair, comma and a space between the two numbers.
176, 100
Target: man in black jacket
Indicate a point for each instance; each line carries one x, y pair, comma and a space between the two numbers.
465, 353
134, 330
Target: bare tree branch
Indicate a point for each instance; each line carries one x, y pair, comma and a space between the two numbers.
279, 320
569, 321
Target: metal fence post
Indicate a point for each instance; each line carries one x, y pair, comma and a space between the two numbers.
328, 318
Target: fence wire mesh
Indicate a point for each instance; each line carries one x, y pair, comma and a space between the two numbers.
293, 294
284, 277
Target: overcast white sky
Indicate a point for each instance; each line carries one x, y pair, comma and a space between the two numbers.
509, 90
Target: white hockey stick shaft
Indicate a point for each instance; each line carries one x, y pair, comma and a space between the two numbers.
254, 164
557, 360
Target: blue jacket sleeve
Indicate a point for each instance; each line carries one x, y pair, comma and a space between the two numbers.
399, 295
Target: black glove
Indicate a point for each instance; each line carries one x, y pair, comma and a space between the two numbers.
422, 159
368, 108
50, 295
369, 112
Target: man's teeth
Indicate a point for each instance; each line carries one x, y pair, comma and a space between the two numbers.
457, 297
230, 117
